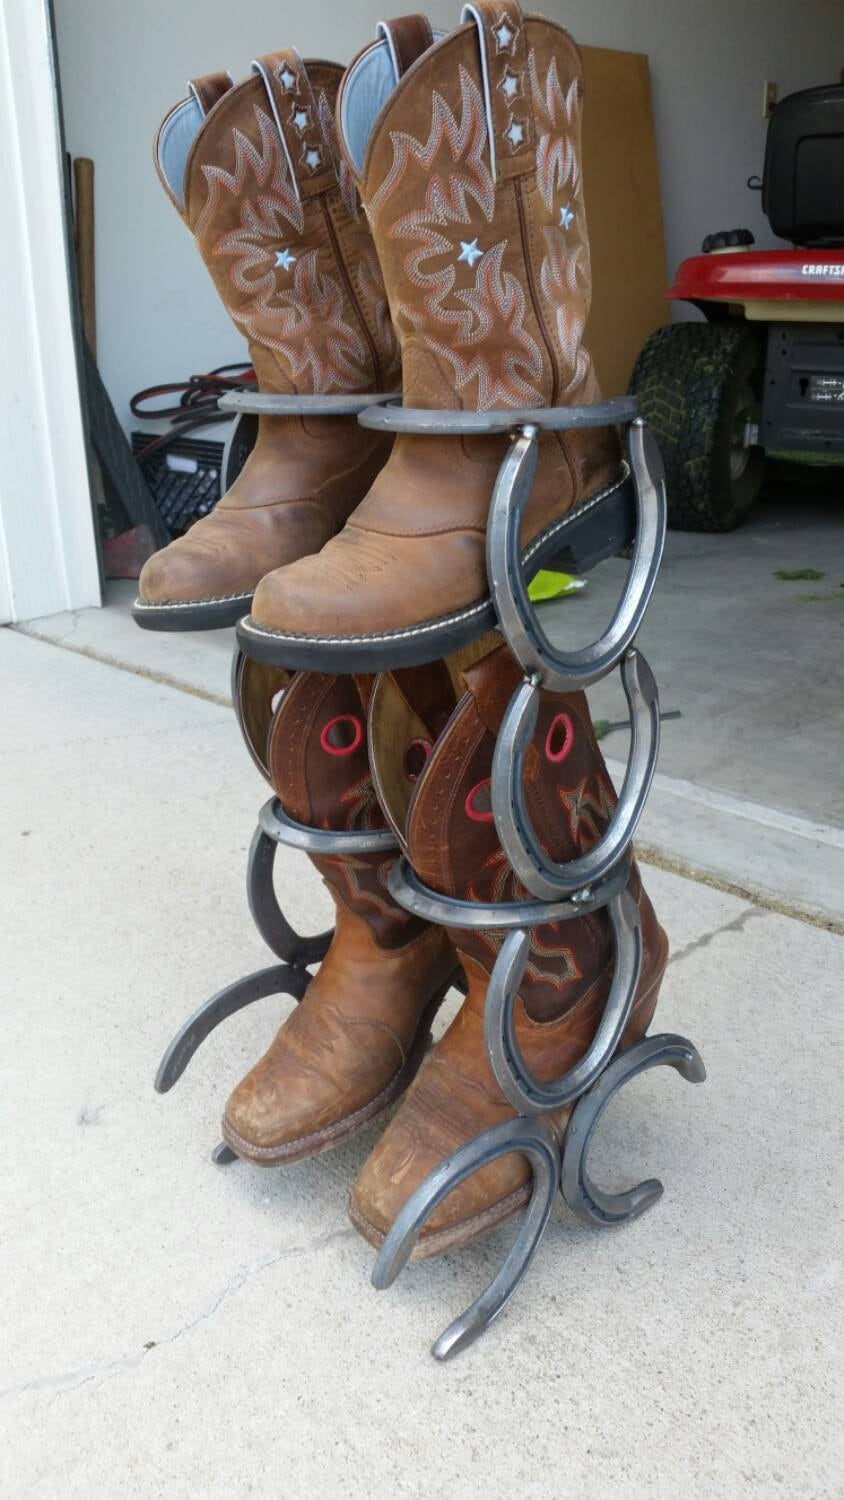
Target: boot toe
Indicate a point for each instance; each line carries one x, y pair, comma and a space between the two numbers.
434, 1121
195, 568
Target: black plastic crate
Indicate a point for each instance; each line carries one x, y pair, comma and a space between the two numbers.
184, 477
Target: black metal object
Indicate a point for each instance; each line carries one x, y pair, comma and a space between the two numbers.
115, 455
803, 180
184, 478
803, 408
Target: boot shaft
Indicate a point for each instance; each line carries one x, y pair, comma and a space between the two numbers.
450, 837
318, 762
255, 172
471, 179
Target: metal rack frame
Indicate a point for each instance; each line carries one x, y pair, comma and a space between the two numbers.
596, 880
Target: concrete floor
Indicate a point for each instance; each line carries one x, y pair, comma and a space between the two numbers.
174, 1329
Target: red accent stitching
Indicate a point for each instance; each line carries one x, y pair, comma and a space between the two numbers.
341, 749
469, 805
568, 743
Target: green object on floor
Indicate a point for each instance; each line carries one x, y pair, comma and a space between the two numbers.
798, 575
547, 584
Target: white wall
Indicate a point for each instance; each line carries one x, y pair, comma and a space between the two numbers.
48, 558
123, 65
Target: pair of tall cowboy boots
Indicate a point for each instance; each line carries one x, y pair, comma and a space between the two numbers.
417, 222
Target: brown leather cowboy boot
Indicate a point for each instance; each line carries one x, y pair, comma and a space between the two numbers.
352, 1045
469, 168
453, 846
255, 172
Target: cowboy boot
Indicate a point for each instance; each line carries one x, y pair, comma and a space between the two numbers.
469, 169
255, 173
352, 1045
453, 847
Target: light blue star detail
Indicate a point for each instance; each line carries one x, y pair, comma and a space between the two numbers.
469, 253
284, 259
566, 217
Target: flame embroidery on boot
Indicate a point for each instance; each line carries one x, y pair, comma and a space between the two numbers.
488, 316
364, 811
348, 188
588, 812
266, 167
565, 271
498, 883
467, 145
307, 324
509, 369
557, 120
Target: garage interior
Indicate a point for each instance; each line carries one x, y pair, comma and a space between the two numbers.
742, 840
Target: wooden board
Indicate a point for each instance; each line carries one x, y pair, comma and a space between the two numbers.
624, 212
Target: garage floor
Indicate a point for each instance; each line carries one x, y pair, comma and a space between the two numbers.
175, 1329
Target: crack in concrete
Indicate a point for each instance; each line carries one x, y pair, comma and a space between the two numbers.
71, 1380
163, 679
737, 924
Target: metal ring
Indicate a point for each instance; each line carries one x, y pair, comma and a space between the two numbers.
546, 878
516, 1082
283, 829
533, 1139
260, 404
410, 892
436, 423
281, 979
268, 916
561, 671
589, 1202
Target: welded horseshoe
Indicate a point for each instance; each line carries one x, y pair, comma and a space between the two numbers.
281, 979
282, 829
490, 916
533, 1139
516, 1082
542, 876
563, 671
589, 1202
268, 916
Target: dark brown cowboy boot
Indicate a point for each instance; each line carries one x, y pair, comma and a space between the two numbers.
469, 167
453, 847
355, 1041
255, 172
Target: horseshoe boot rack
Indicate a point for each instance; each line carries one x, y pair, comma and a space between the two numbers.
254, 703
632, 520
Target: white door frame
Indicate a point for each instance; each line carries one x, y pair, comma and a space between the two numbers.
48, 549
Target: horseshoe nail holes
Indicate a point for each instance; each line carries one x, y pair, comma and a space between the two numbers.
559, 740
342, 735
415, 756
478, 804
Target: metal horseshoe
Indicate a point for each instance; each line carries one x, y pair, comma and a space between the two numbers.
533, 1139
589, 1202
546, 878
268, 916
562, 671
516, 1082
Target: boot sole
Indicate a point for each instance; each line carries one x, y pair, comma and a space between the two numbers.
600, 528
192, 614
330, 1136
455, 1236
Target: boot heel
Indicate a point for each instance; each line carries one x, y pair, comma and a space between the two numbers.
599, 530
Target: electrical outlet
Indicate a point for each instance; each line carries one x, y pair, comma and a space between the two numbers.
770, 94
